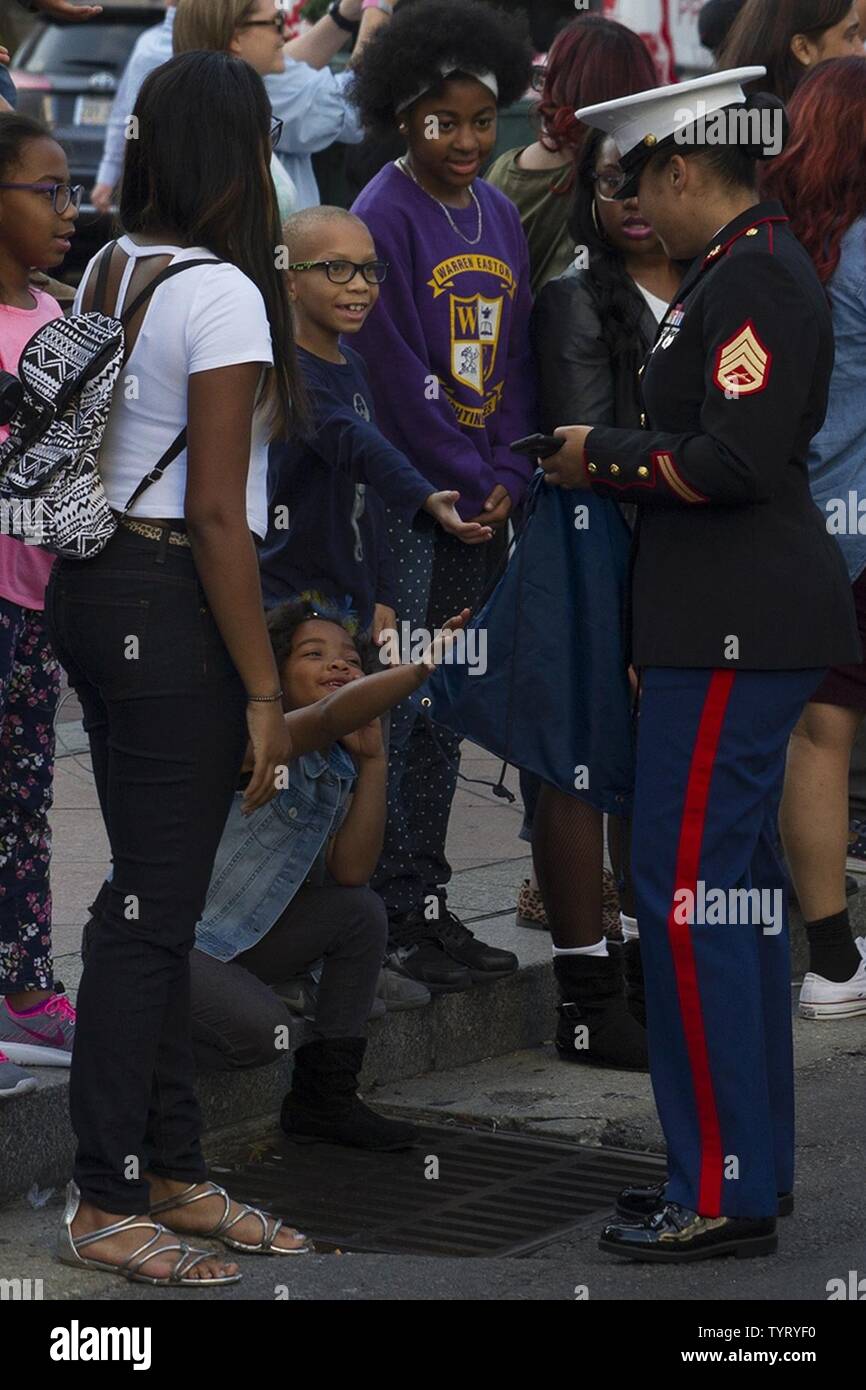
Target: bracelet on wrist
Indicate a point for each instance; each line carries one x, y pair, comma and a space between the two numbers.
350, 26
264, 699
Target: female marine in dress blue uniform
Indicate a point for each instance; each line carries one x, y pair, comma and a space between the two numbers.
740, 600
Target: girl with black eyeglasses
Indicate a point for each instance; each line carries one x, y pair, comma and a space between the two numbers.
38, 209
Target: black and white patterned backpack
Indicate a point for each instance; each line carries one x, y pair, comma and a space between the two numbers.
51, 493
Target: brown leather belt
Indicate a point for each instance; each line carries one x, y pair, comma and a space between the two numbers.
152, 531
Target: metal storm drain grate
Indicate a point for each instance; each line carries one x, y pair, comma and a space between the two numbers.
493, 1193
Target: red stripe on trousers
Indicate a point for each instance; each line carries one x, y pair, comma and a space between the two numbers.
679, 934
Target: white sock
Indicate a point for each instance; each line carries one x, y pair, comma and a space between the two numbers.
599, 948
629, 927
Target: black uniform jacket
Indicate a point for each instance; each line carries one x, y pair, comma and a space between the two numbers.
734, 565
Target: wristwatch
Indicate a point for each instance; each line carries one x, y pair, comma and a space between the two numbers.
351, 26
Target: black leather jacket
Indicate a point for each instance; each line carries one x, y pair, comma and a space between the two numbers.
580, 383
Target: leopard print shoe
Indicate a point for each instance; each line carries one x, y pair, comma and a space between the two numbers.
530, 908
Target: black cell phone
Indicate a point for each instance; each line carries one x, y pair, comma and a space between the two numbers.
538, 446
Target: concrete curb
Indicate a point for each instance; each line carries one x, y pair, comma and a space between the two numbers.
36, 1140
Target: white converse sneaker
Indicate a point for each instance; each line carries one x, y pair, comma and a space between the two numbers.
820, 998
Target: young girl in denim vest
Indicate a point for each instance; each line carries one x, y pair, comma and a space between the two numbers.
290, 884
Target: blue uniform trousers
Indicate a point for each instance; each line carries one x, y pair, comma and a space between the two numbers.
710, 766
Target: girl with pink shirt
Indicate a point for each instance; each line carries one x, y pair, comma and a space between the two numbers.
38, 208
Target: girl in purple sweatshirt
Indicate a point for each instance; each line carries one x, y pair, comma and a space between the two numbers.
449, 360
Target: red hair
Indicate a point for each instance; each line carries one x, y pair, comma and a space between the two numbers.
820, 177
592, 60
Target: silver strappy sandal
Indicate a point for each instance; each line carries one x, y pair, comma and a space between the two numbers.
69, 1247
226, 1222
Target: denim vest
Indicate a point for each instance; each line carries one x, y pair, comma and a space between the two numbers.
263, 859
837, 456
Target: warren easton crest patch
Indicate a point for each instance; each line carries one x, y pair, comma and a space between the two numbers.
742, 363
474, 338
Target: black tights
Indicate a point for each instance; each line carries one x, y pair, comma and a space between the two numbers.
568, 856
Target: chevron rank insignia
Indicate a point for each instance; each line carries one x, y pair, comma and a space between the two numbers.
742, 363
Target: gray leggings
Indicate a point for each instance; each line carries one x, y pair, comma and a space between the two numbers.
234, 1011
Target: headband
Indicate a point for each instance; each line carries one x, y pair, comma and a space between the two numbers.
487, 79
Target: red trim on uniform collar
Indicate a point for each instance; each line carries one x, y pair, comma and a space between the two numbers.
718, 251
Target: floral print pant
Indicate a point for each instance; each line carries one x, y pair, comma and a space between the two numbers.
29, 689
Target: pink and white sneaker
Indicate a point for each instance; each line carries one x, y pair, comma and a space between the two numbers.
820, 998
40, 1037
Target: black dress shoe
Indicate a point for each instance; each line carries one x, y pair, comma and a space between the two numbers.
639, 1203
675, 1234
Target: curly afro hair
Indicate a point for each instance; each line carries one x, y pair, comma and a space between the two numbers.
407, 55
284, 620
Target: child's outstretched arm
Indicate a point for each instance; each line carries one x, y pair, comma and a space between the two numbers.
345, 441
315, 727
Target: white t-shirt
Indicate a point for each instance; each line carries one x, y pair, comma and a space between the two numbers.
657, 305
208, 317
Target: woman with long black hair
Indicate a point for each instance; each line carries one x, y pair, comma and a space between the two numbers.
592, 59
164, 639
593, 327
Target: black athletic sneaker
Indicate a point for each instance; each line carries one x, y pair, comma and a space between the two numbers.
413, 953
482, 961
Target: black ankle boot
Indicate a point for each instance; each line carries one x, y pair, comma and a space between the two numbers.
634, 987
323, 1105
595, 1025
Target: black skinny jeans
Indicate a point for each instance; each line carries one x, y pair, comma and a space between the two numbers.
235, 1012
164, 711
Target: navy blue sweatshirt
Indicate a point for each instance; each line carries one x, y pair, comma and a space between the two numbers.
327, 495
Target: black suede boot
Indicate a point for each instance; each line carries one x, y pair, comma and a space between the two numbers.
595, 1025
634, 987
323, 1105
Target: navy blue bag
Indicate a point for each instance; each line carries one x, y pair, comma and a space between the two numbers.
554, 698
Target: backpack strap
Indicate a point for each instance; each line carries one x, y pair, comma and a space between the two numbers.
176, 447
101, 285
157, 280
179, 443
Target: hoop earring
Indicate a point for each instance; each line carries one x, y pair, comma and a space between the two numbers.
595, 218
